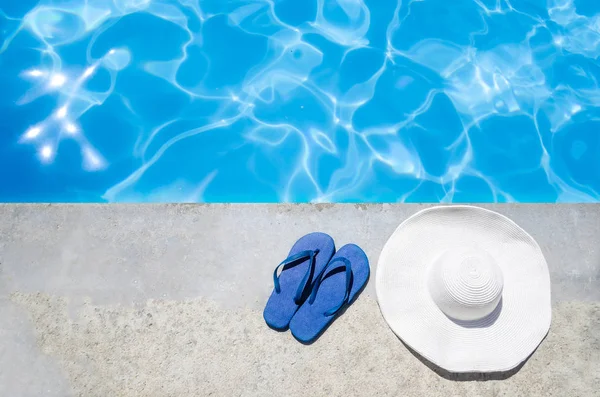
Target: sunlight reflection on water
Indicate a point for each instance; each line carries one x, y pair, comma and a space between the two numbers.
279, 100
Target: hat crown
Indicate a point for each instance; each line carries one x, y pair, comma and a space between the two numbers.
465, 283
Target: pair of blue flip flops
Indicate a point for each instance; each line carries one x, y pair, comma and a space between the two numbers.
314, 284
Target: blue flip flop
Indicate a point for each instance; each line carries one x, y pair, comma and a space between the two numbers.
306, 260
336, 287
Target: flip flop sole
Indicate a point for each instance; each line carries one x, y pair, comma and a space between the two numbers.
281, 306
310, 321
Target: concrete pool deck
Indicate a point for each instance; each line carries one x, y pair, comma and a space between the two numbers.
166, 300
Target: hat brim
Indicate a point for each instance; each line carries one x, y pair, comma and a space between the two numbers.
509, 335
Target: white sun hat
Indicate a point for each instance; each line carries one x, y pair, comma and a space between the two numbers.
466, 288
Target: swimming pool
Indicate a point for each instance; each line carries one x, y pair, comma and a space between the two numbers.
287, 100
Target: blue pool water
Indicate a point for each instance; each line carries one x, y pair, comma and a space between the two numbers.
289, 100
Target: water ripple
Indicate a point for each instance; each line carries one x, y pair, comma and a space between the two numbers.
280, 100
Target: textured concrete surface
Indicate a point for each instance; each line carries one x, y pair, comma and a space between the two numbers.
165, 300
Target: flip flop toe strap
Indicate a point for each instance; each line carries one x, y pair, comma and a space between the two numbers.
295, 260
324, 274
